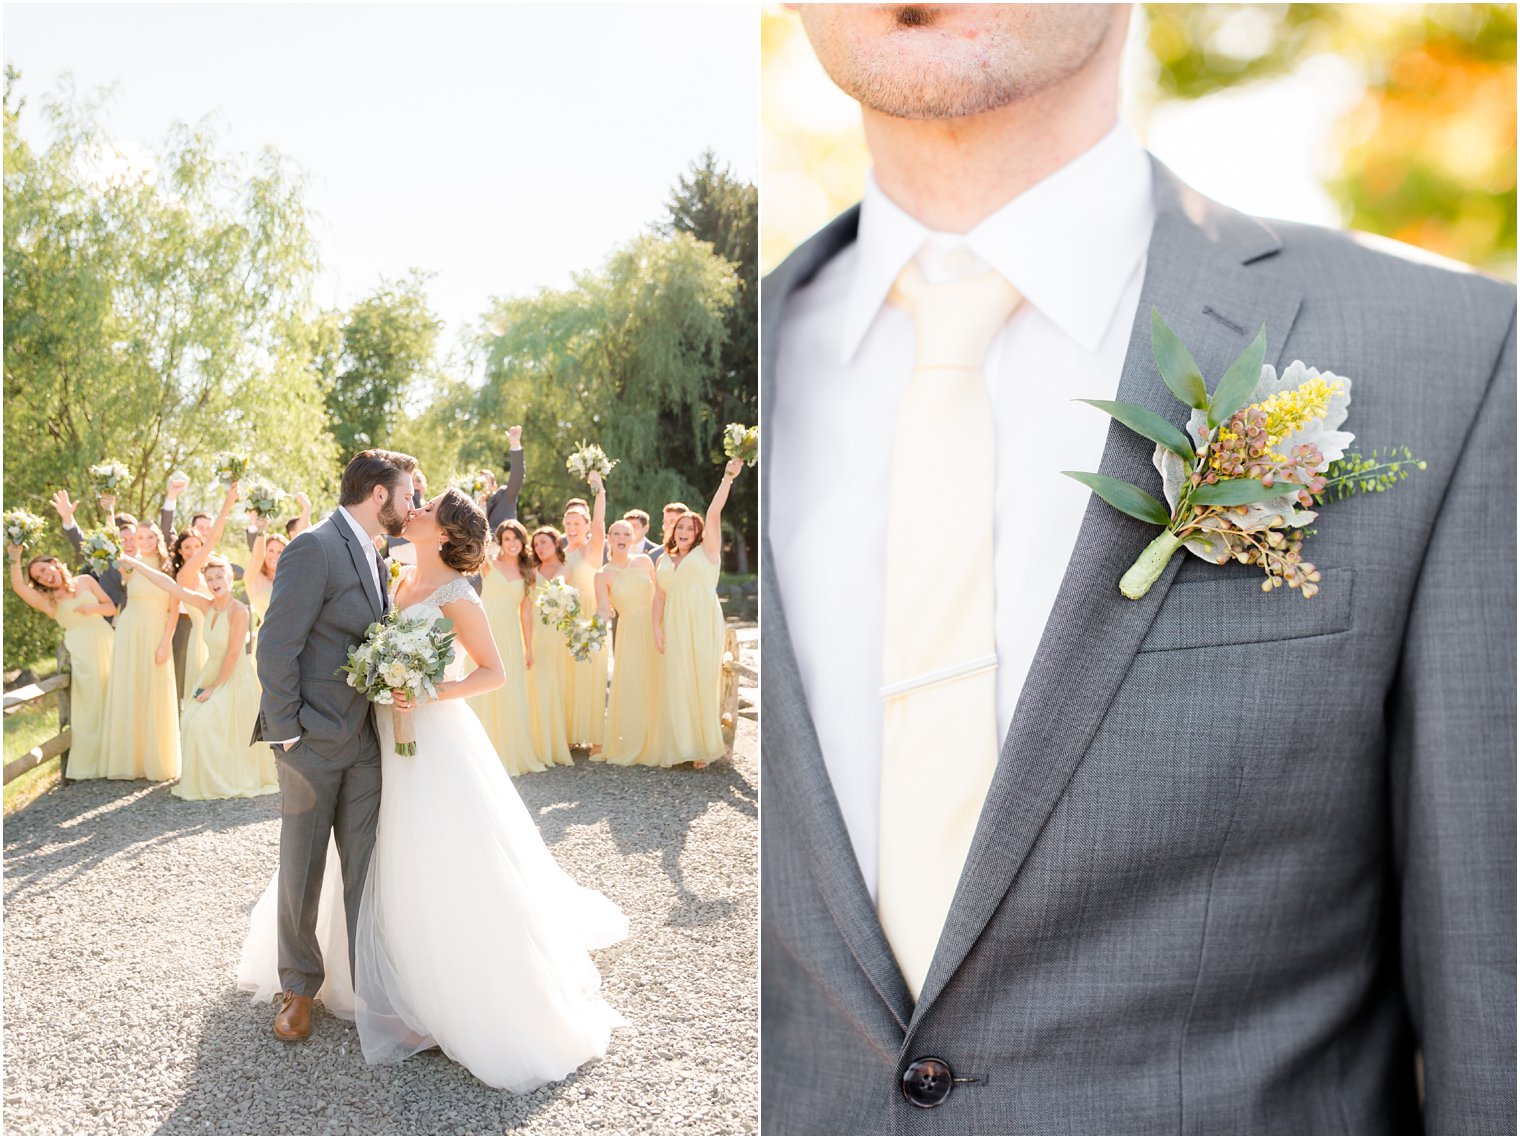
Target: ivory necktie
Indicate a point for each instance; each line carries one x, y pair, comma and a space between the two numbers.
939, 659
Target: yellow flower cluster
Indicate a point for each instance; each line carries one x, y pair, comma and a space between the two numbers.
1289, 410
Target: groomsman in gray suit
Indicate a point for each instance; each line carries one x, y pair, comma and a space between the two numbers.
330, 588
1216, 860
501, 506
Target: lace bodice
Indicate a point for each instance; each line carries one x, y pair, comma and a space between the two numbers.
458, 589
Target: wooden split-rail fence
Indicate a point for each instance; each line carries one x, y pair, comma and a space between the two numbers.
19, 698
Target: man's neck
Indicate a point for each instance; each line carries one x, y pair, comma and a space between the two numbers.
366, 520
951, 174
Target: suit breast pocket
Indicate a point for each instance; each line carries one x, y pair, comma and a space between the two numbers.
1230, 608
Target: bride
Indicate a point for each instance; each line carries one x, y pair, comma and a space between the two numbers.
470, 937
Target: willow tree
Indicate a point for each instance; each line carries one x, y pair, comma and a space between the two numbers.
154, 313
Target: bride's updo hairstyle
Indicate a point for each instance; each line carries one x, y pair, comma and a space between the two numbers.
464, 530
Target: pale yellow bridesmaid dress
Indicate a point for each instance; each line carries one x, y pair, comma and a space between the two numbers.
219, 762
586, 698
88, 637
633, 706
546, 693
691, 725
195, 646
505, 713
142, 705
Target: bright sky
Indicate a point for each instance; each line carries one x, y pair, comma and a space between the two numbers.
502, 147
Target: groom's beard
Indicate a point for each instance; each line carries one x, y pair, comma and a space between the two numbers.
391, 520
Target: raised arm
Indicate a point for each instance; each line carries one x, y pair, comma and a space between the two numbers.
197, 561
201, 601
65, 508
294, 604
596, 541
25, 589
515, 469
712, 525
303, 519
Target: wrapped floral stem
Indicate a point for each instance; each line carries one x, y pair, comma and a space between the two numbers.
404, 727
1241, 479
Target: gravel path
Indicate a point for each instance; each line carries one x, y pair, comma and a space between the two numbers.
125, 909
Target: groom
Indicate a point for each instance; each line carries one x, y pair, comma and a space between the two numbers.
329, 589
1240, 857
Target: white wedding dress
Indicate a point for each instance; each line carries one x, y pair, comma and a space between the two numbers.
470, 936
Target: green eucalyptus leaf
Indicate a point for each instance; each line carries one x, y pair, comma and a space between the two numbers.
1239, 382
1176, 364
1240, 492
1145, 422
1123, 496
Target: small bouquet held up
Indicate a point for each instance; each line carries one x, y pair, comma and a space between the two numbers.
232, 466
558, 605
474, 485
23, 528
100, 550
108, 477
262, 497
588, 457
743, 443
1256, 455
409, 654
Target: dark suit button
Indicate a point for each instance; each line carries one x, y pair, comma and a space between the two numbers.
927, 1082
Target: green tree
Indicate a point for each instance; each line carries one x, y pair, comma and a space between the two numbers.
154, 313
712, 205
371, 359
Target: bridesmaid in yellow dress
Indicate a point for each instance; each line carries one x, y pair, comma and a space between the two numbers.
626, 585
505, 713
81, 607
188, 557
550, 672
691, 725
585, 538
264, 559
219, 762
142, 708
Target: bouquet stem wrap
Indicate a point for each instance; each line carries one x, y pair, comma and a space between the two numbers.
406, 730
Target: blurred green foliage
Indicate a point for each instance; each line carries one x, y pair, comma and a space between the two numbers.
1428, 156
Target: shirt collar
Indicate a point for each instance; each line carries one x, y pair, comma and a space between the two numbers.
1070, 243
353, 524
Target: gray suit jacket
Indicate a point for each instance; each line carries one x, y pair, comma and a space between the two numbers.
322, 604
1243, 853
502, 505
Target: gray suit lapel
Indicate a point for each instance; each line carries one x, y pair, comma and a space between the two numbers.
794, 766
358, 554
1199, 275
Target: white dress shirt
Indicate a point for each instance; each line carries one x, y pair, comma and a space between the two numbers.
1075, 246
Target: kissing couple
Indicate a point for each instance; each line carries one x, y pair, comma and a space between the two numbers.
443, 921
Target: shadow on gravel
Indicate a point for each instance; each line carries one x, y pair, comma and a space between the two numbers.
69, 831
245, 1082
648, 810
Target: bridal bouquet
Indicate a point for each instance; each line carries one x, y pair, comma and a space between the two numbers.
557, 602
231, 466
588, 457
262, 497
740, 442
410, 654
100, 550
23, 528
1256, 455
472, 484
106, 477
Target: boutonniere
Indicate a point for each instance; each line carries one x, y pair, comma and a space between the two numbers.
393, 574
1256, 456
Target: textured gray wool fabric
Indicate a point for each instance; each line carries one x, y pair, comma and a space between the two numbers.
1244, 854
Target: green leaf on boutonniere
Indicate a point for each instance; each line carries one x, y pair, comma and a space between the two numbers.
1123, 496
1239, 382
1176, 364
1145, 422
1240, 492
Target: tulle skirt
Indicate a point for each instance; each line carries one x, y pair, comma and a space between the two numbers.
470, 936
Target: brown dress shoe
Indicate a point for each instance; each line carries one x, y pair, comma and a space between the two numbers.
293, 1021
